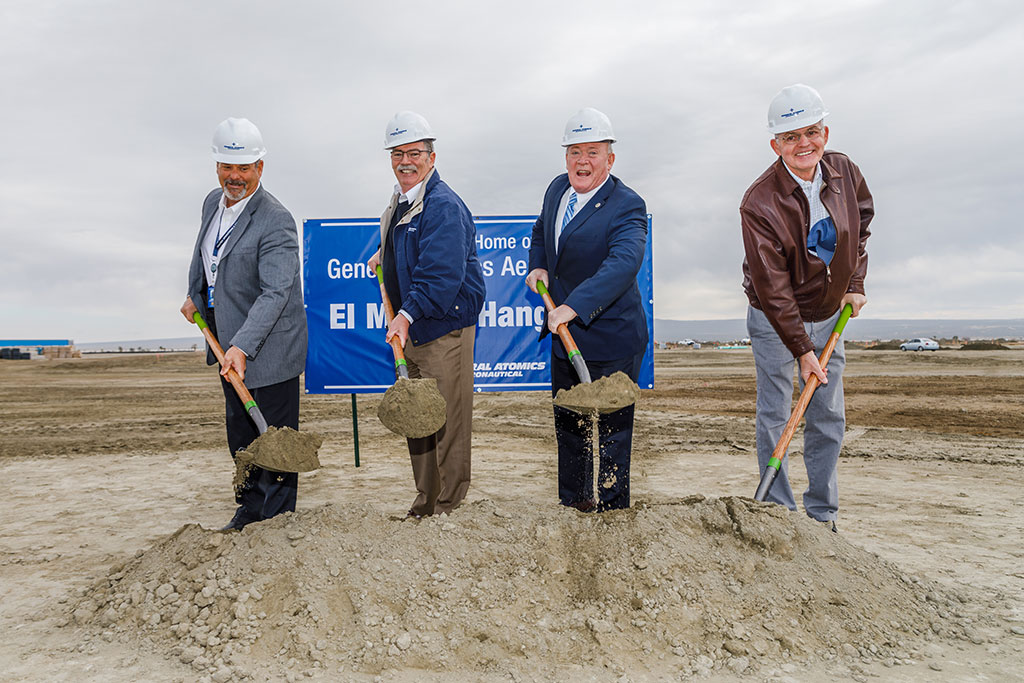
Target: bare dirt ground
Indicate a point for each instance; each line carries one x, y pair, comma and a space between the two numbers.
115, 472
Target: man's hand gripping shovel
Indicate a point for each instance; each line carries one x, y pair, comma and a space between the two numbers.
771, 471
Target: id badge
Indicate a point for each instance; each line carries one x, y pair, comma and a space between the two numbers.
209, 296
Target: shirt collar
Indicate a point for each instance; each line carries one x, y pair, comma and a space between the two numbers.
806, 185
411, 195
236, 208
582, 199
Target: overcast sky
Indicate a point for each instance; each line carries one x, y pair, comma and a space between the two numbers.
108, 109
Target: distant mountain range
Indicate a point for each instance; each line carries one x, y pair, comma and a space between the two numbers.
861, 329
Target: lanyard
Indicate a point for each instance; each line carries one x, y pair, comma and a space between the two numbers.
217, 244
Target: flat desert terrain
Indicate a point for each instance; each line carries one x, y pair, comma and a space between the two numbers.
116, 476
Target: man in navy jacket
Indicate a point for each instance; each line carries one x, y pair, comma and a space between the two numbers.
434, 281
587, 247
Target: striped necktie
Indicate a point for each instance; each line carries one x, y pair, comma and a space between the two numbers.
570, 210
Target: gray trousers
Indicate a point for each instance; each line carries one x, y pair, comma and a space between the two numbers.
825, 419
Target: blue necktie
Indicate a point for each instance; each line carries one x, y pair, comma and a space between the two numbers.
570, 209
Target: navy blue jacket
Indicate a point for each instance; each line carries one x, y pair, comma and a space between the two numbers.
438, 270
594, 271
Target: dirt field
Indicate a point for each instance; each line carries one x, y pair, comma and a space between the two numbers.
109, 463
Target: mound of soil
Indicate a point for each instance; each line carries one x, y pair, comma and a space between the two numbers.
884, 346
604, 395
279, 450
983, 346
413, 408
661, 590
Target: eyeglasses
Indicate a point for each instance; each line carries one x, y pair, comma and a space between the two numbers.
413, 154
811, 134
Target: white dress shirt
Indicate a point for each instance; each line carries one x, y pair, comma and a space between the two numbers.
581, 201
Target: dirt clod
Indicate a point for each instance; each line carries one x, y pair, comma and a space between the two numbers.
413, 408
280, 450
604, 395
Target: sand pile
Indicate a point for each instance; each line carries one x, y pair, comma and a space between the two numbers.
605, 395
413, 408
279, 450
535, 592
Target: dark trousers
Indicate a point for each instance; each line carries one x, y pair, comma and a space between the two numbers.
574, 434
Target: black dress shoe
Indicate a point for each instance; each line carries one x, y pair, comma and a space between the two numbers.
237, 522
588, 505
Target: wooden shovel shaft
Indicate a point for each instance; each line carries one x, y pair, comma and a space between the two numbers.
389, 313
575, 357
232, 376
772, 469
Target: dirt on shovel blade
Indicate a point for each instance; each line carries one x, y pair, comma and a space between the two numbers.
605, 395
280, 450
413, 408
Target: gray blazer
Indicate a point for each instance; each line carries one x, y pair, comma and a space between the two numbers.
258, 297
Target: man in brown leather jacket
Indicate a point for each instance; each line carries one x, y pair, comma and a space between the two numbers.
805, 226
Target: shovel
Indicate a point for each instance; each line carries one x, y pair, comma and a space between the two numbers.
771, 471
575, 357
607, 394
232, 376
277, 450
413, 408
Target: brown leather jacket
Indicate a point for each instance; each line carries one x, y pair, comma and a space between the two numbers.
780, 276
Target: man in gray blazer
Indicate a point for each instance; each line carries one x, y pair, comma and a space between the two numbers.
244, 280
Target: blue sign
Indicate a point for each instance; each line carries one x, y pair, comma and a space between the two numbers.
347, 352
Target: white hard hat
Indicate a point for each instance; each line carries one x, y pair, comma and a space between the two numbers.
587, 125
237, 141
795, 107
405, 127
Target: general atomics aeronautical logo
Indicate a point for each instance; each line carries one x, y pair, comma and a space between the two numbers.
398, 132
792, 112
234, 146
581, 129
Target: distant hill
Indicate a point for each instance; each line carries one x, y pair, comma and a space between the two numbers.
861, 329
169, 344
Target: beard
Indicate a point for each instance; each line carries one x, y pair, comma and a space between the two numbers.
235, 192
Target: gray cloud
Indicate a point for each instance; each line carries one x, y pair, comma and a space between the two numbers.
109, 108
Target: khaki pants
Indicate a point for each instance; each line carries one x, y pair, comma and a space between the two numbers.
441, 462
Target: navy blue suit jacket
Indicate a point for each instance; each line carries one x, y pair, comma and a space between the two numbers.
594, 271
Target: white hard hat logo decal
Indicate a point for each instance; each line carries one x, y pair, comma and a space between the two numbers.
795, 106
398, 132
587, 125
237, 141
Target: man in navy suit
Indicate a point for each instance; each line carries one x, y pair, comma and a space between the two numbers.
587, 247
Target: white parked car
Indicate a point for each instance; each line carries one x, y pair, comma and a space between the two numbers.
921, 344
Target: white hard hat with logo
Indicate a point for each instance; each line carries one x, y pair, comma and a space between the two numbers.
587, 125
237, 141
405, 127
795, 106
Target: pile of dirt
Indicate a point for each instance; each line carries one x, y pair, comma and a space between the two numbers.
413, 408
279, 450
669, 589
605, 395
884, 346
983, 346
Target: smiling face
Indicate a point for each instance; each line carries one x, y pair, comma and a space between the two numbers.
239, 180
411, 163
802, 149
588, 164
